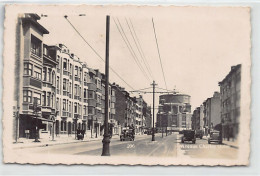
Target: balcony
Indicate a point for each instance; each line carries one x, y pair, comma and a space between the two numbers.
85, 84
85, 117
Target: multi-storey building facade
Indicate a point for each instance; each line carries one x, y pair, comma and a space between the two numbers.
230, 88
126, 109
174, 112
196, 119
28, 78
211, 112
58, 93
71, 93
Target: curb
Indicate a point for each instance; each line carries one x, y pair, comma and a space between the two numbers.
232, 146
52, 144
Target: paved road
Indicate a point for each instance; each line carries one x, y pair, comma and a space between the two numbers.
142, 146
204, 150
169, 146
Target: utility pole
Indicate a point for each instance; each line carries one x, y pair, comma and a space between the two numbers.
153, 84
106, 139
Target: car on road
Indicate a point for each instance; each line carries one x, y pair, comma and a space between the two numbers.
127, 134
215, 136
199, 134
188, 135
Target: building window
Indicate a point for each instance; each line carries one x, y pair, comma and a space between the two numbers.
58, 83
75, 90
44, 73
28, 69
84, 110
70, 106
53, 77
27, 96
64, 105
38, 97
65, 64
57, 104
64, 84
35, 46
79, 106
37, 72
48, 99
70, 88
85, 93
44, 98
75, 108
76, 70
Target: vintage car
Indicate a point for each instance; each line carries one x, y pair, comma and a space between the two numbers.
127, 134
199, 134
188, 135
215, 136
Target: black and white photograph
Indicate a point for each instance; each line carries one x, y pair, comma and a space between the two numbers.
133, 85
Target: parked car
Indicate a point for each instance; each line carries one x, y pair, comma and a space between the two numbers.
181, 132
188, 135
215, 136
127, 134
199, 134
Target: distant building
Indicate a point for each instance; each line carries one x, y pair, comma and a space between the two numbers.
125, 108
174, 112
212, 112
230, 88
196, 119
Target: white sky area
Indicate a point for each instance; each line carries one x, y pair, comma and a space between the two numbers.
198, 45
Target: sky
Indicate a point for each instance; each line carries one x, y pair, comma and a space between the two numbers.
198, 45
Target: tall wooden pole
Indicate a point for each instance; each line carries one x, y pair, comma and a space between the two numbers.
106, 139
153, 84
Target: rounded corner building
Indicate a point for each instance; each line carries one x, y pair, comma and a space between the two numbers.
174, 112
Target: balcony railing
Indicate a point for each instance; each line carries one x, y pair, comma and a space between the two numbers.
65, 72
64, 114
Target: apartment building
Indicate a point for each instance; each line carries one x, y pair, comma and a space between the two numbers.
29, 62
230, 88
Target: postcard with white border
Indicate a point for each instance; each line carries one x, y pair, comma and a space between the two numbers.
132, 85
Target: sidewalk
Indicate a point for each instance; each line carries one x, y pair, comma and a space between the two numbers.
233, 144
29, 143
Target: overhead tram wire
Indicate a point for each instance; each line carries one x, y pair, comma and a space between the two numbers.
149, 69
138, 47
134, 55
66, 17
159, 53
125, 39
